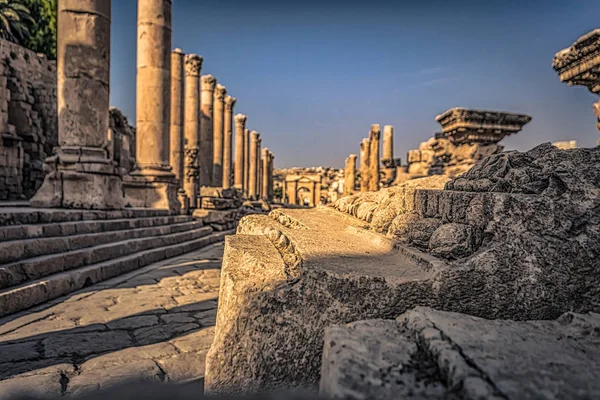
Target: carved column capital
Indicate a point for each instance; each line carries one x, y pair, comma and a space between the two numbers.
255, 135
208, 83
220, 92
375, 132
193, 65
240, 119
229, 102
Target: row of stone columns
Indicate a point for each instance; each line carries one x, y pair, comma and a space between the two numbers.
184, 121
369, 160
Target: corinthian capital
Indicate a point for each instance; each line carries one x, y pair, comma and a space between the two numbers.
193, 64
220, 92
230, 102
240, 119
255, 135
208, 83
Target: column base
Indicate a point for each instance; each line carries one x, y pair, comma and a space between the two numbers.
148, 191
80, 178
184, 200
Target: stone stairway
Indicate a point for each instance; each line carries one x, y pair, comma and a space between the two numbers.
45, 254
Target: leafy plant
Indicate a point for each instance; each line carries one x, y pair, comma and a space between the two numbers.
15, 19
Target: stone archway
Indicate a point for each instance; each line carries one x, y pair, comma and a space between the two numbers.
304, 196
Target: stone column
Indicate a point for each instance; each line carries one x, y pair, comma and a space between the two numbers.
247, 139
388, 143
374, 136
206, 130
193, 66
350, 175
258, 165
270, 191
240, 148
227, 141
177, 117
177, 113
81, 173
153, 184
218, 133
265, 174
365, 163
253, 165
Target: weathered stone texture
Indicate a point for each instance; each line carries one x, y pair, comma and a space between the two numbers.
488, 254
28, 111
431, 354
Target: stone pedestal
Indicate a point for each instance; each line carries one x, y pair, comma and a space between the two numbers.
240, 149
218, 134
193, 66
350, 174
81, 173
365, 150
206, 130
153, 184
374, 136
228, 142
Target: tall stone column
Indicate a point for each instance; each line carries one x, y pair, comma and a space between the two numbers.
265, 174
365, 164
177, 113
271, 170
258, 166
153, 184
253, 162
177, 118
240, 148
193, 66
374, 136
227, 141
206, 130
350, 175
81, 171
218, 134
247, 139
388, 143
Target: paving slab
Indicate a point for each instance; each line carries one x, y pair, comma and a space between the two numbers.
154, 324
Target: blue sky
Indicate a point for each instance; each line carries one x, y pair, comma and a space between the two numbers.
312, 76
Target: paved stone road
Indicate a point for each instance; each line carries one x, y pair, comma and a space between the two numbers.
154, 324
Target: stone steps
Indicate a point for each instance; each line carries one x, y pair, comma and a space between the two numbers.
66, 228
122, 257
38, 267
16, 250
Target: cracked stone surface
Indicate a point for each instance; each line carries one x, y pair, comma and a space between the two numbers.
152, 325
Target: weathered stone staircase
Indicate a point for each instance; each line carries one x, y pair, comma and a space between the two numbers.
45, 254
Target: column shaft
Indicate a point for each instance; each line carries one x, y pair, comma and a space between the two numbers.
388, 143
177, 113
374, 136
227, 141
350, 174
253, 161
240, 148
247, 140
258, 164
365, 149
265, 174
206, 130
153, 97
218, 134
193, 66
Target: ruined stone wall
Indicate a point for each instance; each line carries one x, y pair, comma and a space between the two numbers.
28, 119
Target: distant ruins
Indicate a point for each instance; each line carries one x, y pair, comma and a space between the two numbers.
309, 186
467, 136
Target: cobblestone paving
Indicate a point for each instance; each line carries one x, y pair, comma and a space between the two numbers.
154, 324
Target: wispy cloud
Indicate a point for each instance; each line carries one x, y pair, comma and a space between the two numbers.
435, 82
432, 70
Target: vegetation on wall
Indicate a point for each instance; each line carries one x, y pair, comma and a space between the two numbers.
30, 23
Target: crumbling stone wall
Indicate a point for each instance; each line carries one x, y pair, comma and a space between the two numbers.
29, 118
